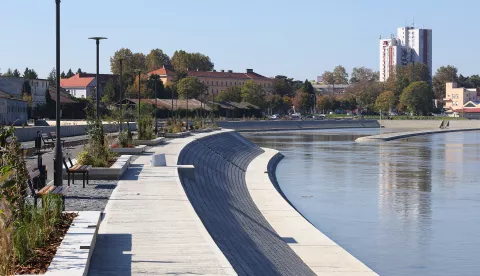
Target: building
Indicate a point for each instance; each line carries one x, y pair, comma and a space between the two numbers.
15, 87
410, 45
82, 85
218, 81
12, 111
330, 90
460, 100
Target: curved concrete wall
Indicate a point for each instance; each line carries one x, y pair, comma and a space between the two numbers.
220, 197
251, 126
428, 124
29, 133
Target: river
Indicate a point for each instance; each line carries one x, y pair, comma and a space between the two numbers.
407, 207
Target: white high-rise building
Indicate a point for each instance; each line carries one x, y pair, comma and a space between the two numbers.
410, 45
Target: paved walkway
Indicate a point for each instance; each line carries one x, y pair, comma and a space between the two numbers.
150, 227
320, 253
399, 135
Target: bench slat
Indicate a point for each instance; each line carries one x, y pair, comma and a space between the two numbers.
45, 190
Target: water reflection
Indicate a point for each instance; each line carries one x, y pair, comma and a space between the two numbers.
404, 208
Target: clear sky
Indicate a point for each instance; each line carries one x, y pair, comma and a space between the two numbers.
299, 39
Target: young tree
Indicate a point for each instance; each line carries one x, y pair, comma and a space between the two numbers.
444, 74
385, 101
16, 73
70, 73
417, 97
156, 59
190, 87
108, 92
231, 94
30, 74
253, 93
150, 91
52, 77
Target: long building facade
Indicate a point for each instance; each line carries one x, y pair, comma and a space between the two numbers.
217, 81
410, 45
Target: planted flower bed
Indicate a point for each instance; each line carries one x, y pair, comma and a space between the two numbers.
114, 171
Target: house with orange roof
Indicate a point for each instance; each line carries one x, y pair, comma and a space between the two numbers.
82, 85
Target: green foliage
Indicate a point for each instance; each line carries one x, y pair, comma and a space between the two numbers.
303, 102
52, 77
417, 97
174, 126
385, 102
145, 128
183, 61
156, 59
190, 87
231, 94
444, 74
125, 138
152, 82
340, 75
362, 75
108, 96
283, 86
70, 73
253, 93
30, 74
307, 87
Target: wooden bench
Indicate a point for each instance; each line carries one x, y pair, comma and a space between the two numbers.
46, 141
34, 174
73, 169
52, 135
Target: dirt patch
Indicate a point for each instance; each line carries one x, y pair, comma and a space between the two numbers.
43, 256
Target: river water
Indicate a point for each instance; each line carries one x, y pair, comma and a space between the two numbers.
409, 207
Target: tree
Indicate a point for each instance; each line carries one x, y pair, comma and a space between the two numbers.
282, 86
329, 78
30, 74
443, 75
150, 91
417, 97
385, 101
70, 73
362, 74
367, 94
340, 75
231, 94
16, 73
324, 103
52, 77
156, 59
9, 73
62, 75
79, 71
308, 88
183, 61
253, 93
190, 87
474, 81
302, 102
413, 72
108, 93
27, 89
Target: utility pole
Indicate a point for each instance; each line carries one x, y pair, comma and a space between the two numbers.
58, 177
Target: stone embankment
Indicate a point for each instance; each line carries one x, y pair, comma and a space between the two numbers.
400, 135
254, 126
252, 224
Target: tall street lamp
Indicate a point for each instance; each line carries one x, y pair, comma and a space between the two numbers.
97, 90
57, 168
156, 127
139, 80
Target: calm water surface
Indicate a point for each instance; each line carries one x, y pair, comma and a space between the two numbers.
403, 207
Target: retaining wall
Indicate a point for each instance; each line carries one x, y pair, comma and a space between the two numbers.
428, 124
220, 197
252, 126
29, 133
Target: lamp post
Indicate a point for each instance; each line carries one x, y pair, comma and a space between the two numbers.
139, 80
156, 127
57, 168
121, 91
97, 90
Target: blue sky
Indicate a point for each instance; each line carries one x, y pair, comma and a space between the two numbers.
299, 39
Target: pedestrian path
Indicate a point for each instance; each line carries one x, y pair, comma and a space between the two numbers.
150, 227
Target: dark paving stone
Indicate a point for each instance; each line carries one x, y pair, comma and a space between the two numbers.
219, 194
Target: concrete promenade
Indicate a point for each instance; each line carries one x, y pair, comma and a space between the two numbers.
150, 227
281, 125
320, 253
399, 135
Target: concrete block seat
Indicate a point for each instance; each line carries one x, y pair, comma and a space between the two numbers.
221, 199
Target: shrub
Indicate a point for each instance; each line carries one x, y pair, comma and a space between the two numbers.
145, 128
124, 139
